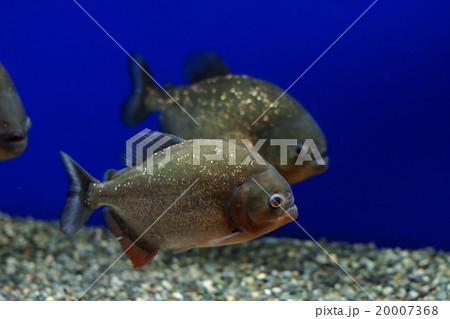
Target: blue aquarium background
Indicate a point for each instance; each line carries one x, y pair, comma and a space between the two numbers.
381, 95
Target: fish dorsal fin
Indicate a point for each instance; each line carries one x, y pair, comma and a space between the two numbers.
6, 83
146, 143
201, 65
138, 256
109, 175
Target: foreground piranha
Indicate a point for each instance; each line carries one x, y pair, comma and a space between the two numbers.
225, 106
183, 204
14, 123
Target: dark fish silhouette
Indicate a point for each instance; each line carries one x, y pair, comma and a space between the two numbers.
185, 205
14, 123
225, 106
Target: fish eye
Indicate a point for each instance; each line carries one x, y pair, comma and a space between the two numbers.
276, 200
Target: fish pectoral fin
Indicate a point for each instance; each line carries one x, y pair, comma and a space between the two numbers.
219, 241
203, 65
139, 257
181, 250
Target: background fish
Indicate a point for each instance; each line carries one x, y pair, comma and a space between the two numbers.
226, 106
223, 206
14, 123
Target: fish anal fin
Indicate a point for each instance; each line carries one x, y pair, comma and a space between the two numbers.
139, 257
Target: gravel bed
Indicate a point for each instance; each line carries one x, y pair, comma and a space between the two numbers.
38, 262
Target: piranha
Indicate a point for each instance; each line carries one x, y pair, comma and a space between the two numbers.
14, 123
225, 106
183, 203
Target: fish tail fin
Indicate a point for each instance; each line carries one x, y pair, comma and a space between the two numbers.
77, 208
141, 99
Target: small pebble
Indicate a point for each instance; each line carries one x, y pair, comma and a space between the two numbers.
388, 290
261, 276
276, 290
177, 296
38, 262
413, 294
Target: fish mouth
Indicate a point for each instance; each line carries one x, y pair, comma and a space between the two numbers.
291, 213
14, 142
14, 138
